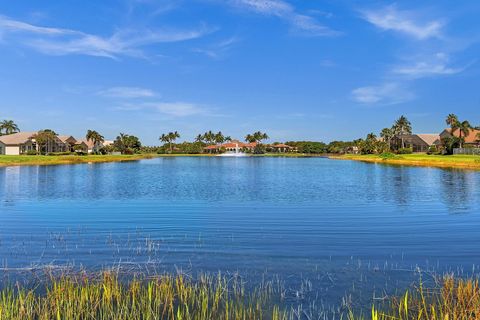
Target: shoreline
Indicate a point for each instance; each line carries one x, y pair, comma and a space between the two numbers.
37, 160
419, 160
24, 160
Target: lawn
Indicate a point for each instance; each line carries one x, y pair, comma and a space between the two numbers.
69, 159
445, 161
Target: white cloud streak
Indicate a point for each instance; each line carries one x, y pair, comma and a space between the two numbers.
285, 11
58, 41
434, 66
127, 92
385, 94
405, 22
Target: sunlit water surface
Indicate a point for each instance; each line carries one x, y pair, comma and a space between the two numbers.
327, 228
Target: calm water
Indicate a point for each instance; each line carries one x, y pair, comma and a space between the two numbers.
338, 226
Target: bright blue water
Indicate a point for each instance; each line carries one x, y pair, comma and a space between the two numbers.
335, 223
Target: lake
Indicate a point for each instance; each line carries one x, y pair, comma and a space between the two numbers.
328, 228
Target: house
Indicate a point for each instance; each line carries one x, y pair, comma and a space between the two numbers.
246, 147
231, 146
419, 142
90, 146
24, 142
17, 143
280, 147
472, 139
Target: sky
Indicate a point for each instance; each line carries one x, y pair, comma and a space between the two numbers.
297, 69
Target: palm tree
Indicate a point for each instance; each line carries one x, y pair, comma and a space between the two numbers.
219, 137
464, 128
9, 127
228, 138
169, 138
387, 135
95, 137
256, 137
452, 121
199, 138
402, 127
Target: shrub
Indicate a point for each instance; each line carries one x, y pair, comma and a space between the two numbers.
405, 151
31, 153
59, 153
387, 155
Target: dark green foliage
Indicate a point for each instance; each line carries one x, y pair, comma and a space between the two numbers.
405, 151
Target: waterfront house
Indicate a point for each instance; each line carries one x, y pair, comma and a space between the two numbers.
17, 143
471, 140
419, 142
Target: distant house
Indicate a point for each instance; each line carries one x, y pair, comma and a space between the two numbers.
246, 147
419, 142
231, 146
281, 147
23, 142
17, 143
472, 139
92, 147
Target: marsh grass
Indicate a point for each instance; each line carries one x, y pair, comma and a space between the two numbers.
451, 298
163, 297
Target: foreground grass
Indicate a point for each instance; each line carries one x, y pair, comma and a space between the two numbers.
452, 299
215, 297
70, 159
447, 161
166, 297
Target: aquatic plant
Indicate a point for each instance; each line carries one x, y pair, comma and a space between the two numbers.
163, 297
451, 298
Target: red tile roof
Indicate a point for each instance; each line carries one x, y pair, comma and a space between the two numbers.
470, 138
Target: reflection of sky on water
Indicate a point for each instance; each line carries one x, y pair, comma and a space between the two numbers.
294, 217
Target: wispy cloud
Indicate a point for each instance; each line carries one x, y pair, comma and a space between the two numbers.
127, 92
392, 19
385, 94
59, 41
176, 109
433, 66
218, 49
283, 10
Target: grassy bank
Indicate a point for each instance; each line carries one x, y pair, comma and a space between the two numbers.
441, 161
163, 297
451, 299
70, 159
216, 297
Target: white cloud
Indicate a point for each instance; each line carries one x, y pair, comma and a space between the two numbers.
390, 18
127, 92
174, 109
433, 66
385, 94
56, 41
218, 49
178, 109
287, 12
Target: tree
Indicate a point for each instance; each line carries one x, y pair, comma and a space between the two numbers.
199, 138
169, 138
257, 137
219, 137
387, 134
44, 139
464, 128
8, 127
402, 127
126, 143
95, 137
452, 121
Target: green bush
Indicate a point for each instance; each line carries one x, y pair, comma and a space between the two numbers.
405, 151
31, 153
387, 155
60, 153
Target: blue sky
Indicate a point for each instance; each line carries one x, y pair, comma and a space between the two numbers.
318, 70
